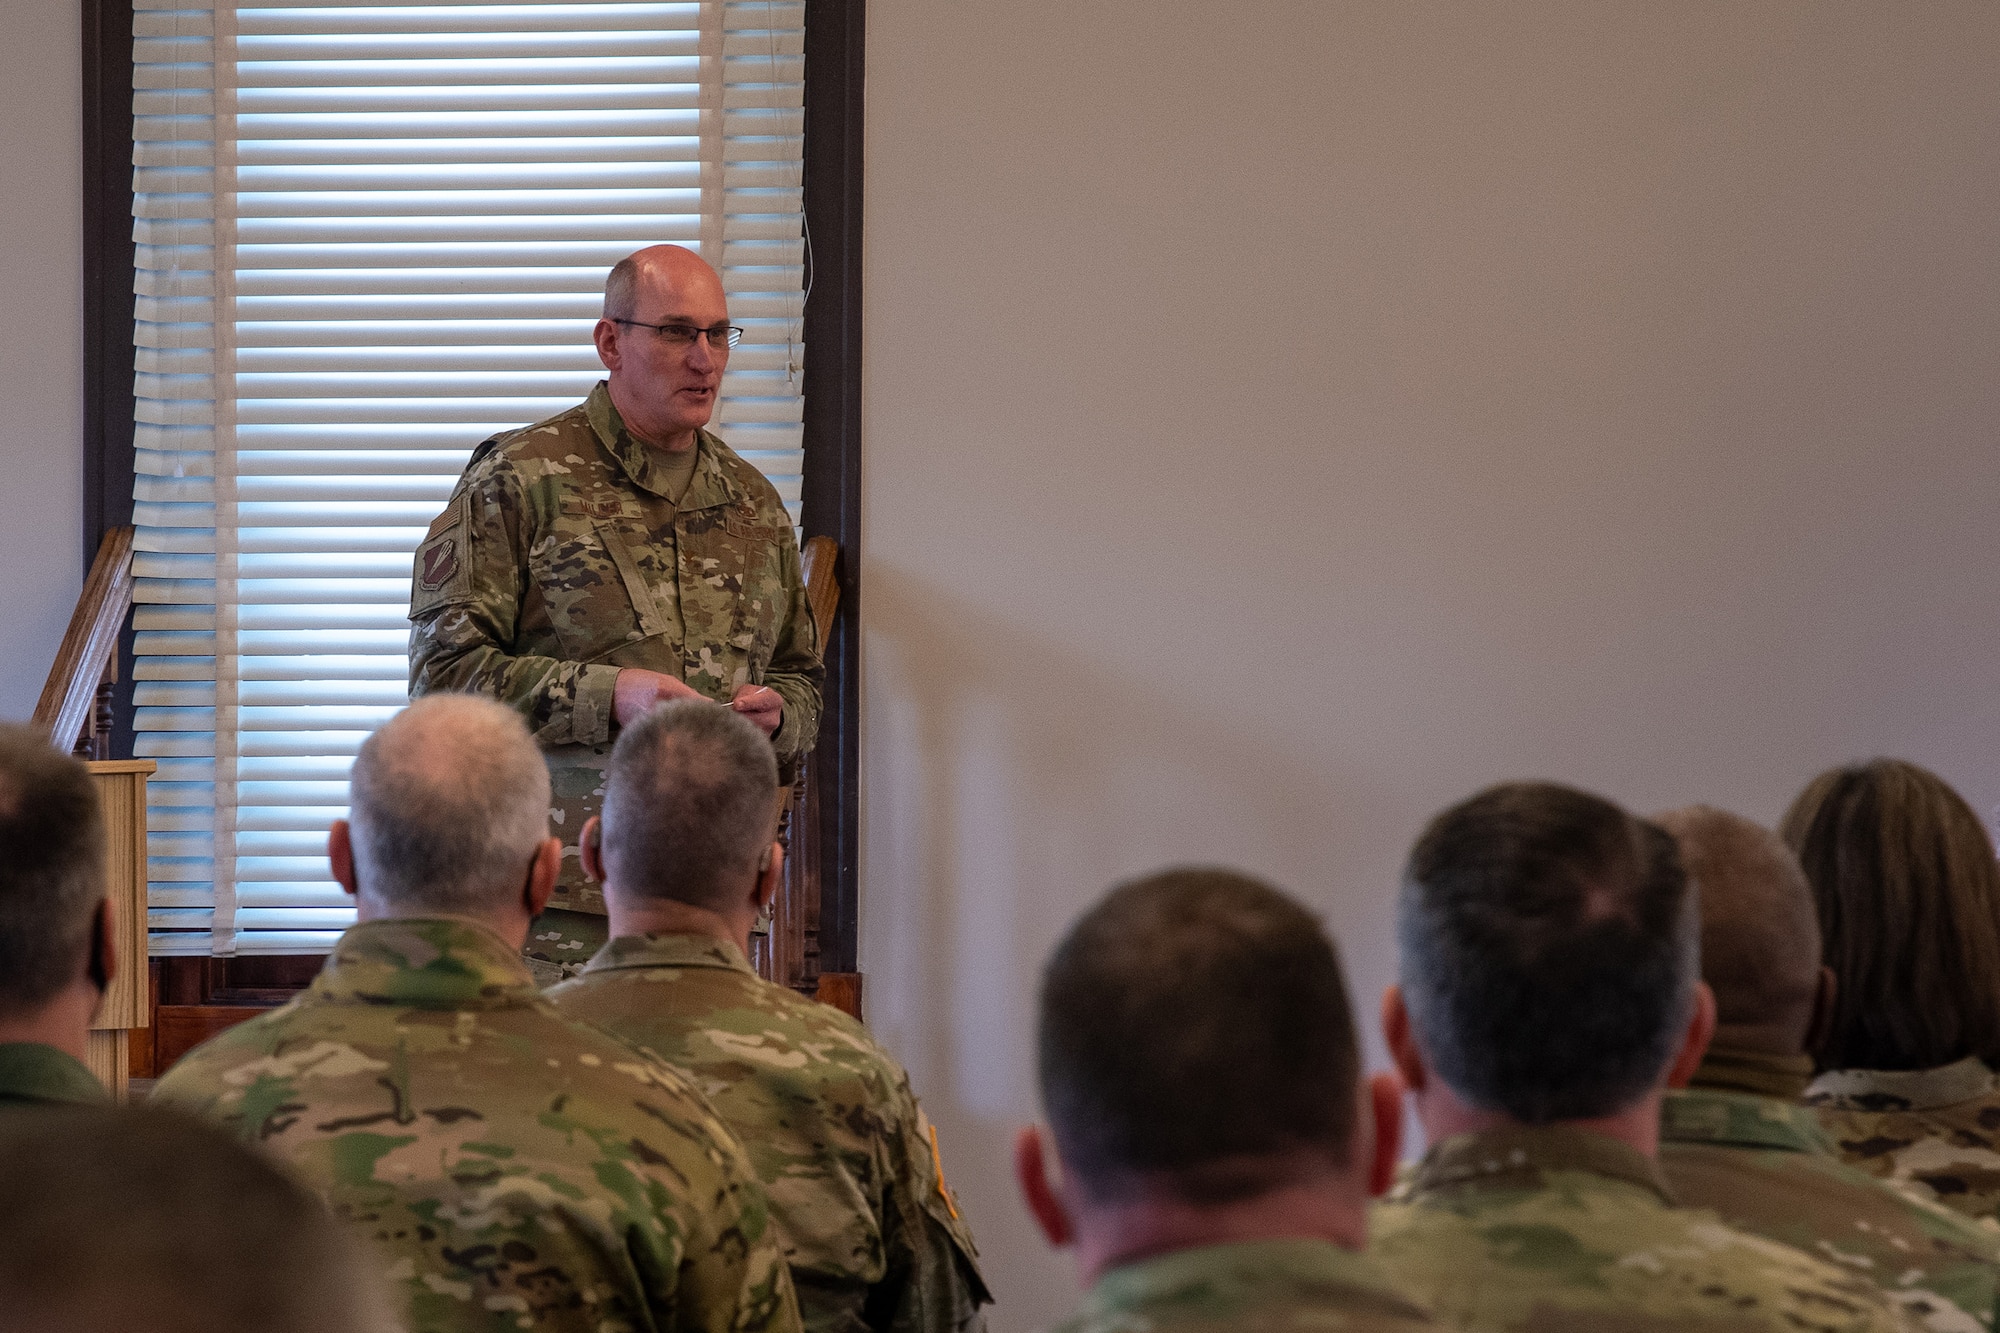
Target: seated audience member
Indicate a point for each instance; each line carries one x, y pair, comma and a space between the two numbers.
512, 1167
686, 853
1218, 1149
1549, 993
1909, 907
55, 921
140, 1219
1737, 1141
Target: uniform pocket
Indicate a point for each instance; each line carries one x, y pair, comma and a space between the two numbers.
588, 603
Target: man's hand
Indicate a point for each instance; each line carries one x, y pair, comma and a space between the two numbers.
637, 690
765, 707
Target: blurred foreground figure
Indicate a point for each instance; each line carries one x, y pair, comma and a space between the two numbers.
512, 1168
55, 922
1736, 1139
1909, 905
688, 857
1549, 993
138, 1219
1199, 1068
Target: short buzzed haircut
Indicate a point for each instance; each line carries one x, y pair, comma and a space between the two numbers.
449, 802
52, 850
621, 289
1550, 952
139, 1218
1195, 1037
1760, 947
690, 804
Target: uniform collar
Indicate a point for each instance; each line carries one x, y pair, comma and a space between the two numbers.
1731, 1070
711, 484
32, 1072
1740, 1120
1901, 1089
442, 962
669, 950
1518, 1157
1244, 1273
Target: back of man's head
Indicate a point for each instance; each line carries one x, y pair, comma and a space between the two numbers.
449, 802
1195, 1040
51, 869
690, 806
1760, 947
1550, 952
137, 1218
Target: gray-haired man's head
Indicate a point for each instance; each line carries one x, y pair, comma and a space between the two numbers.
690, 806
449, 808
52, 852
1550, 952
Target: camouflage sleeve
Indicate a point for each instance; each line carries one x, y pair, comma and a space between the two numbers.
465, 601
933, 1281
796, 671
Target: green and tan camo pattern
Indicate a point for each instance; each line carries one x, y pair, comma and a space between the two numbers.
1933, 1131
1555, 1230
832, 1129
1284, 1286
1764, 1166
512, 1168
558, 562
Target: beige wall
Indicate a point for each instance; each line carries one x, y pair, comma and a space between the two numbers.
41, 344
1283, 418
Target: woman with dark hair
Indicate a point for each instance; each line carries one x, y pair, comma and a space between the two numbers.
1909, 904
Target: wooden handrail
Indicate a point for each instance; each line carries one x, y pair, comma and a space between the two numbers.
818, 559
71, 706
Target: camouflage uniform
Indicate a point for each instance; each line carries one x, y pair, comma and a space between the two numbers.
828, 1119
1935, 1131
1267, 1284
514, 1169
32, 1074
1554, 1229
1763, 1164
559, 560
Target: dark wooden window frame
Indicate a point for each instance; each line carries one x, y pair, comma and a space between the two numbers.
832, 483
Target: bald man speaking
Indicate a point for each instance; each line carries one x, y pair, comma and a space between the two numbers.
615, 555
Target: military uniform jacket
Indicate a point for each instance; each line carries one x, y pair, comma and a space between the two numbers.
34, 1074
1936, 1131
833, 1131
1267, 1284
512, 1168
1555, 1229
1765, 1167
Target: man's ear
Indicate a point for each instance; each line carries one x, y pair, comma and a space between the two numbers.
1031, 1174
605, 335
1820, 1025
1402, 1042
770, 875
1385, 1108
103, 948
590, 849
1694, 1043
542, 872
340, 851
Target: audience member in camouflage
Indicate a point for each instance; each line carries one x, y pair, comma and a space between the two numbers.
1737, 1141
617, 554
1549, 994
513, 1168
1202, 1079
1909, 904
832, 1129
55, 922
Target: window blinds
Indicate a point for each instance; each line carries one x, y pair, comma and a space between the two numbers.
369, 236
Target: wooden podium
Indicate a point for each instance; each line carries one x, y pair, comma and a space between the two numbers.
121, 787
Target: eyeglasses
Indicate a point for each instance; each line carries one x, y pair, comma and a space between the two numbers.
681, 334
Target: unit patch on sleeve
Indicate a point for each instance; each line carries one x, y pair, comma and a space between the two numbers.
442, 573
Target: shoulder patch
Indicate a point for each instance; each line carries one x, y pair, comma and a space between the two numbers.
442, 572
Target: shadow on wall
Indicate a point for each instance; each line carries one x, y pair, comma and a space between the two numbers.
1008, 781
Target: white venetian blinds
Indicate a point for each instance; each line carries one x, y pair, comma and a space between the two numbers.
369, 236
